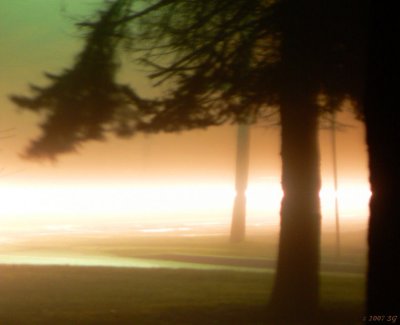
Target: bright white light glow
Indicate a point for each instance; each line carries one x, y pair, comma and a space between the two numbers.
172, 203
144, 202
352, 198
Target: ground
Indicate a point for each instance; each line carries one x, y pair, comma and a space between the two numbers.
191, 281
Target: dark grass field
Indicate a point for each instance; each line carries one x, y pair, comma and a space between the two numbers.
93, 295
32, 294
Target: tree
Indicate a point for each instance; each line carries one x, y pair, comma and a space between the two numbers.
238, 226
223, 61
383, 137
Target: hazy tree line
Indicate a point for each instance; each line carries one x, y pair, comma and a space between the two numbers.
238, 62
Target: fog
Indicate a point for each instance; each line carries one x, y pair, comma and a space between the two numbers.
164, 180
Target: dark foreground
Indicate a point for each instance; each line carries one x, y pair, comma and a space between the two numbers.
98, 295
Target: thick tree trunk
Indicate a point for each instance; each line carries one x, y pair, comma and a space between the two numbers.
238, 226
296, 284
383, 139
296, 290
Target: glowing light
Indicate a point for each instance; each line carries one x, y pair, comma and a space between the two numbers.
172, 203
353, 200
84, 200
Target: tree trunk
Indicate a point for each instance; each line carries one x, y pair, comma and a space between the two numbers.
296, 285
238, 226
296, 289
383, 138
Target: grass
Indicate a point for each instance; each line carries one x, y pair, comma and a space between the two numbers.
92, 295
109, 295
144, 296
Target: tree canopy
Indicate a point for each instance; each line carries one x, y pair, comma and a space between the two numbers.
219, 61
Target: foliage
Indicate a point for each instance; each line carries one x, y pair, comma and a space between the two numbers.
219, 61
79, 103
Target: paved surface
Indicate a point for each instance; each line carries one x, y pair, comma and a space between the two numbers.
250, 262
173, 261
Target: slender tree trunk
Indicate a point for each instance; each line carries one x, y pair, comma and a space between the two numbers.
238, 227
383, 139
296, 289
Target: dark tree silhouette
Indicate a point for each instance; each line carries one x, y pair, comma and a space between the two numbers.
84, 102
382, 121
315, 55
223, 61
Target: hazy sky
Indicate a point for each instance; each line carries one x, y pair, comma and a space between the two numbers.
38, 36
